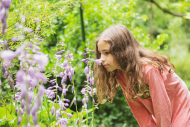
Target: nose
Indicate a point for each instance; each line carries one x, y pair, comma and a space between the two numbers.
102, 58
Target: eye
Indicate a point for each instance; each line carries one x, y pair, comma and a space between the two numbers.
106, 53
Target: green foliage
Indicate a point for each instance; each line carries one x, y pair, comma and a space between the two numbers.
60, 23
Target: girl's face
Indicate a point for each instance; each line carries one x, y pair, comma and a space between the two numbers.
106, 57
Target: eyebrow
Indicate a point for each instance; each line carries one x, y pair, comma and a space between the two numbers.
104, 50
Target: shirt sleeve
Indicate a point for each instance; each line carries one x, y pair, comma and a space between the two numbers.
160, 100
142, 115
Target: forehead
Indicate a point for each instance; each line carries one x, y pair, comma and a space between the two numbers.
103, 45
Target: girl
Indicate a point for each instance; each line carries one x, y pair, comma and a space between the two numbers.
155, 94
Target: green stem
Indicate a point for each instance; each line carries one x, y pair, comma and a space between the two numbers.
56, 105
47, 108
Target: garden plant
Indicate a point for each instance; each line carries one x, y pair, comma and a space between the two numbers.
46, 70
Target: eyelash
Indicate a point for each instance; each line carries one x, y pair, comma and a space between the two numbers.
106, 53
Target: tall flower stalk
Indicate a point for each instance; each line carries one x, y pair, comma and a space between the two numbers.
65, 72
88, 89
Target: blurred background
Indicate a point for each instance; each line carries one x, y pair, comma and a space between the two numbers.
160, 25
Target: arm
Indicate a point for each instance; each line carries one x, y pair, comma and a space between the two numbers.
142, 115
160, 100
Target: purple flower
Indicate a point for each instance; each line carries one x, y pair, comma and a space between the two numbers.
57, 114
53, 110
92, 81
84, 54
64, 91
42, 60
85, 105
37, 48
60, 75
15, 39
72, 89
66, 104
38, 28
19, 75
30, 96
69, 115
60, 52
7, 55
40, 76
22, 17
18, 96
50, 94
70, 77
53, 81
28, 108
67, 69
98, 61
20, 26
77, 121
63, 121
86, 70
83, 60
83, 100
88, 76
7, 3
40, 39
19, 49
41, 90
2, 14
64, 79
67, 100
23, 103
10, 81
86, 62
64, 64
35, 119
31, 71
75, 100
19, 120
58, 57
28, 125
72, 71
26, 29
83, 91
70, 56
33, 82
60, 89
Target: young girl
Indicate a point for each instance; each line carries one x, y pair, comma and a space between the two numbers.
155, 94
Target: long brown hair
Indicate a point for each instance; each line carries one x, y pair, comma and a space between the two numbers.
128, 53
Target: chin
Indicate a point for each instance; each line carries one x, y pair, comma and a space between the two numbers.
110, 70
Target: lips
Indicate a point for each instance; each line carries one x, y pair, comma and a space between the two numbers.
106, 65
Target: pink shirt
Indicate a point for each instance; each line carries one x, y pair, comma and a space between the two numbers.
169, 101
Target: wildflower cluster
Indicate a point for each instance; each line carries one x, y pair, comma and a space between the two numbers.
30, 95
29, 78
52, 92
88, 89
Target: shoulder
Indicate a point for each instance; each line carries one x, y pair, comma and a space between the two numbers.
149, 67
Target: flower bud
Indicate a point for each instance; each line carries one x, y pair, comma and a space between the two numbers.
7, 3
53, 110
69, 115
35, 119
19, 120
86, 70
77, 121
